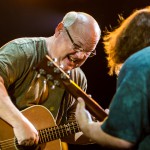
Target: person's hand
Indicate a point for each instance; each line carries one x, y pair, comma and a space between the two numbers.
107, 111
83, 116
26, 133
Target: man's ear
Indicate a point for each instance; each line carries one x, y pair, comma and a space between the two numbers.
58, 29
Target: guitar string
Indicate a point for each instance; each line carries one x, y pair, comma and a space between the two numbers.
5, 144
53, 135
60, 130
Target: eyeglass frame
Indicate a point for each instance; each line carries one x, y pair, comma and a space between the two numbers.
78, 48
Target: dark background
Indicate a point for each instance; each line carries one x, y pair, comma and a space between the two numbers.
34, 18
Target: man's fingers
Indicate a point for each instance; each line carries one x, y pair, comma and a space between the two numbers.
81, 102
82, 113
80, 108
107, 111
28, 142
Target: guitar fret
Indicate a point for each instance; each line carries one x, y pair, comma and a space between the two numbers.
57, 132
67, 129
54, 133
44, 136
50, 133
61, 131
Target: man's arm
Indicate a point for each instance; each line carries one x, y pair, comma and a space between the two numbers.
24, 131
93, 130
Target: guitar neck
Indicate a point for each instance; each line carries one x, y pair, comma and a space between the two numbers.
94, 108
56, 132
52, 71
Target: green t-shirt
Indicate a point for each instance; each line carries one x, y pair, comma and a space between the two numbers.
17, 60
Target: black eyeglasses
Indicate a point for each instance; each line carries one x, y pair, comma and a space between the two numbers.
77, 48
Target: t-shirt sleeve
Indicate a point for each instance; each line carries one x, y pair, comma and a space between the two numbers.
12, 62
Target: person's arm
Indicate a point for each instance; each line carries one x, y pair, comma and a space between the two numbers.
24, 131
93, 130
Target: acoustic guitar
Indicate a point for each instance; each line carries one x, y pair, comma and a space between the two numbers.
43, 120
49, 132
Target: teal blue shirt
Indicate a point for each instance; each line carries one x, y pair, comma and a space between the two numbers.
129, 117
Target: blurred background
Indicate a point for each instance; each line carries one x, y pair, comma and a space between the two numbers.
34, 18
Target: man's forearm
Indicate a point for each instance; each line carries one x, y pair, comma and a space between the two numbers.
8, 111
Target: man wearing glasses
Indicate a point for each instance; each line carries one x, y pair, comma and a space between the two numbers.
74, 41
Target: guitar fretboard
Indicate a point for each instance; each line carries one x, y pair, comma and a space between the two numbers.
57, 132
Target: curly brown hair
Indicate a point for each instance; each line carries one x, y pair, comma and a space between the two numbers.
132, 35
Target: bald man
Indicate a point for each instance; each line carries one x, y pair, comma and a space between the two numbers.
74, 40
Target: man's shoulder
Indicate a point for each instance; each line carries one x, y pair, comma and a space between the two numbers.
140, 58
25, 40
143, 53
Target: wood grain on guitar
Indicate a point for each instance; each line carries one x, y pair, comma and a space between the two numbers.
53, 72
44, 122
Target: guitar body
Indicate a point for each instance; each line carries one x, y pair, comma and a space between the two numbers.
41, 118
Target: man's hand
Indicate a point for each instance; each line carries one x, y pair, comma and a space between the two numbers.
83, 116
26, 133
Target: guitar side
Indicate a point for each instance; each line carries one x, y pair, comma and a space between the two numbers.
41, 118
